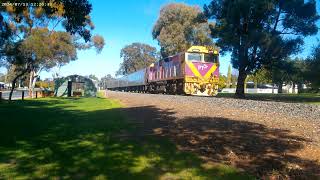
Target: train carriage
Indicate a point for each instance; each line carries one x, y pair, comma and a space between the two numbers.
194, 72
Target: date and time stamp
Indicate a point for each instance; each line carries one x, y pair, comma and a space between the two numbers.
25, 4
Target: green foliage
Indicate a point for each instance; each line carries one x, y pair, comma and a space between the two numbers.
45, 84
313, 68
222, 81
261, 76
90, 138
93, 77
2, 77
259, 32
26, 29
229, 77
74, 14
136, 56
104, 80
179, 26
98, 43
234, 81
49, 49
289, 71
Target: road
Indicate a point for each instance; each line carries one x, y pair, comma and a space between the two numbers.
16, 94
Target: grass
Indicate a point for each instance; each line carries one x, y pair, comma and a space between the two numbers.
78, 138
289, 98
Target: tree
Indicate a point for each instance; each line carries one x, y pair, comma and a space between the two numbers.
229, 77
261, 76
260, 32
313, 69
47, 49
104, 80
180, 26
73, 14
27, 24
136, 56
222, 81
20, 62
93, 77
2, 77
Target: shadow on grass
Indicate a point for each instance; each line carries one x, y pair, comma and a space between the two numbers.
289, 98
83, 139
94, 138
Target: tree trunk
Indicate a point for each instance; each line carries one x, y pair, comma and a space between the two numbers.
300, 87
293, 88
241, 83
255, 83
16, 78
280, 88
33, 84
30, 84
13, 84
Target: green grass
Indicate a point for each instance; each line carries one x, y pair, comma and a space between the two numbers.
72, 138
290, 98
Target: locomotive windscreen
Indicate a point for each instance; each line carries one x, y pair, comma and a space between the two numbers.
211, 58
194, 56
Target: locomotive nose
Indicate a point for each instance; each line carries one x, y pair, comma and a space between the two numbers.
202, 87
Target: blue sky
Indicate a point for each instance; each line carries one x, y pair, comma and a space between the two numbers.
124, 22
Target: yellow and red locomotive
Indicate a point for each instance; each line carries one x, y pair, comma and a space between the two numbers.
194, 72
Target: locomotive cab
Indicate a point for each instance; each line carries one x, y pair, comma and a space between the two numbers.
201, 71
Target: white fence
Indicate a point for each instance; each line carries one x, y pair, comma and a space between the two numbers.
251, 90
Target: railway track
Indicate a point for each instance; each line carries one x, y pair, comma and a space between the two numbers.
290, 110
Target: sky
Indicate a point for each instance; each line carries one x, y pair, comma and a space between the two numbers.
124, 22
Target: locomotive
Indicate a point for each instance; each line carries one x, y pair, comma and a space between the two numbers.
194, 72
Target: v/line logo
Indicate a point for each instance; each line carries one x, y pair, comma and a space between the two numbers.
202, 66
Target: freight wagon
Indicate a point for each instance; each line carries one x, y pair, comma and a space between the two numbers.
194, 72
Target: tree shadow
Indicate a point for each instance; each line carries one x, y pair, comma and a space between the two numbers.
55, 139
253, 147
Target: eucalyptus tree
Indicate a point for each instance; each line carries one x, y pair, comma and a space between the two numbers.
180, 26
135, 57
33, 32
260, 32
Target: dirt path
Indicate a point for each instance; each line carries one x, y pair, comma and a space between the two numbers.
262, 144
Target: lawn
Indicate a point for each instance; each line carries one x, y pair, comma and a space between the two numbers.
80, 138
290, 98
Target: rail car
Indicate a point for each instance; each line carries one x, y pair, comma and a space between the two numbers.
194, 72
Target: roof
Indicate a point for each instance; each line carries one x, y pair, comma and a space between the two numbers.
203, 49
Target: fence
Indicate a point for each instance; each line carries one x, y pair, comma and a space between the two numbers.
22, 94
251, 90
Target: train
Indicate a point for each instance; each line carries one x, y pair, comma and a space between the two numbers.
193, 72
